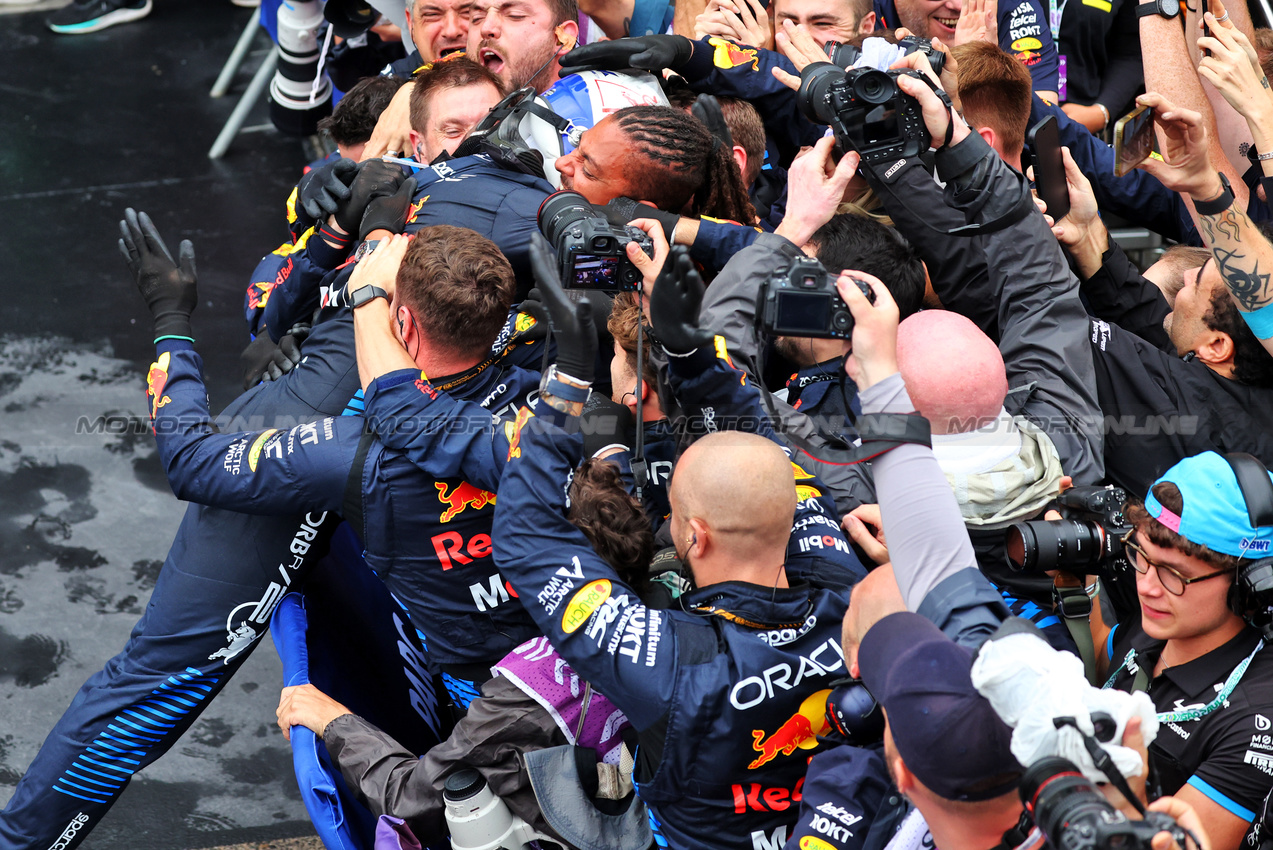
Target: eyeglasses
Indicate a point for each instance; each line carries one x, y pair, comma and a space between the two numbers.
1169, 577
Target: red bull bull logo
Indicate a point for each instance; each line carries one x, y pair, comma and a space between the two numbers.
462, 497
414, 212
513, 432
800, 731
156, 380
729, 55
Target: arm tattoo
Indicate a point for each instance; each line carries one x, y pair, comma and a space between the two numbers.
1249, 287
1241, 274
1264, 81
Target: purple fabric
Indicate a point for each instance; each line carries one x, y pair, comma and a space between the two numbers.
394, 834
537, 669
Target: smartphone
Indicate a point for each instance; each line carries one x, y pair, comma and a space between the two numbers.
1203, 8
1133, 139
1044, 141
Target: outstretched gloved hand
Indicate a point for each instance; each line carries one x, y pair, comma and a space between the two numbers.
322, 190
647, 52
572, 322
678, 293
375, 178
167, 285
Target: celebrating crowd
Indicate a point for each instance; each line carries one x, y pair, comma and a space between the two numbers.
752, 431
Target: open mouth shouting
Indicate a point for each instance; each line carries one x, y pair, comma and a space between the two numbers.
490, 57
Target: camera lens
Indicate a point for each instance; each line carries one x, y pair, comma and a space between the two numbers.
559, 211
1066, 544
813, 97
874, 86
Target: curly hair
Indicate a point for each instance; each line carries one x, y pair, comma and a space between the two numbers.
612, 520
692, 172
1169, 496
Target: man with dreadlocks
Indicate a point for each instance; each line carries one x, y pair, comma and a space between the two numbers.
660, 155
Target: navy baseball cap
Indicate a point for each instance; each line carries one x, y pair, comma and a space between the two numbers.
946, 732
1214, 512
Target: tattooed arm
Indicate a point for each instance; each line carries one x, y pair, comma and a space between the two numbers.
1244, 256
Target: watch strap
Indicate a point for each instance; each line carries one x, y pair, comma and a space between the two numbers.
364, 294
1220, 204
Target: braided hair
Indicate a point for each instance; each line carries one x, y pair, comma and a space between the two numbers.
693, 173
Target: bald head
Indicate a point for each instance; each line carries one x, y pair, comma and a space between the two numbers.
954, 373
741, 487
873, 599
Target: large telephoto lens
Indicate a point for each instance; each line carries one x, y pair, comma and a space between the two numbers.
559, 211
815, 84
1063, 803
1055, 544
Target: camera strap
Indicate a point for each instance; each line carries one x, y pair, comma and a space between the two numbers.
1071, 602
640, 467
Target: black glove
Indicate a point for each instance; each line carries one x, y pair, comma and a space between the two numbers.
322, 190
388, 212
285, 359
647, 52
535, 308
263, 360
168, 287
572, 324
623, 211
678, 293
375, 178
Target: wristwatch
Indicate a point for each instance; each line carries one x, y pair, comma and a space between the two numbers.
1166, 8
363, 294
1221, 203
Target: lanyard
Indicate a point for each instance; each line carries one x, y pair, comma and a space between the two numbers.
1196, 713
1055, 12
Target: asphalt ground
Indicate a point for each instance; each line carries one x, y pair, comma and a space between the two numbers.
90, 125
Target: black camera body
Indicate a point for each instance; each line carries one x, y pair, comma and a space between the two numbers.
1088, 540
1076, 816
802, 300
866, 109
591, 252
844, 55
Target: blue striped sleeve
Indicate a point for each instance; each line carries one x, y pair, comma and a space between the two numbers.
1220, 799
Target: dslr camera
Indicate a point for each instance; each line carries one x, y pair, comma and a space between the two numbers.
802, 300
866, 109
1088, 540
844, 55
591, 252
1076, 816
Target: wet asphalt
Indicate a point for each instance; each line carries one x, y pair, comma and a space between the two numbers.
90, 125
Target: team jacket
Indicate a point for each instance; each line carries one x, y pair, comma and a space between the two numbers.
426, 526
470, 191
729, 691
1023, 33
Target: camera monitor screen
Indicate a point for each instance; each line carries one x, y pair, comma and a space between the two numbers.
802, 312
880, 126
593, 272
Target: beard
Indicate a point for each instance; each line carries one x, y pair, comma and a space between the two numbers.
533, 66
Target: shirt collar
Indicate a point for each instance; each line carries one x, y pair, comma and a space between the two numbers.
1201, 674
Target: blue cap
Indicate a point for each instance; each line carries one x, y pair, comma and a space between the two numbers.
947, 733
1214, 512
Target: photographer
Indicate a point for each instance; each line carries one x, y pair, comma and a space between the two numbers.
1196, 650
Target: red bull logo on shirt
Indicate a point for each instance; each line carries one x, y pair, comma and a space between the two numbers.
460, 498
729, 55
156, 380
799, 731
